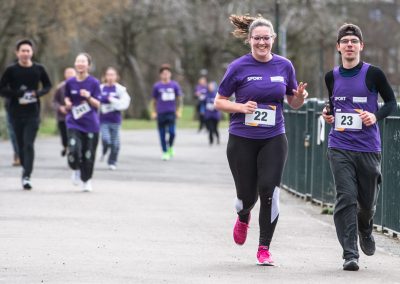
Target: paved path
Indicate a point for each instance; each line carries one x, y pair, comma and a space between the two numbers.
160, 222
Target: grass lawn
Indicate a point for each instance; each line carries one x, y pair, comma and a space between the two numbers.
48, 125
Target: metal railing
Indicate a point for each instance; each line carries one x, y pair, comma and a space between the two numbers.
307, 172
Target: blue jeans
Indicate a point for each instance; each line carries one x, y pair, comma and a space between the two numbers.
164, 121
110, 140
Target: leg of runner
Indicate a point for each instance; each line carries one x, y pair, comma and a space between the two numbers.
210, 131
75, 154
270, 164
242, 158
62, 128
161, 123
115, 145
13, 139
342, 164
89, 146
216, 131
172, 134
105, 139
26, 130
369, 178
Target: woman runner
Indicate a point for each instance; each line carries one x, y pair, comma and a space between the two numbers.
114, 98
82, 95
257, 145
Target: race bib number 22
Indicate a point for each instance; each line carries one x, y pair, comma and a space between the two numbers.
263, 117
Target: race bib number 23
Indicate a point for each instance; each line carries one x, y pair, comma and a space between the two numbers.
348, 120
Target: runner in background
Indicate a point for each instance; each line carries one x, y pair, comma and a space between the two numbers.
23, 83
61, 110
200, 94
212, 116
114, 99
82, 99
166, 107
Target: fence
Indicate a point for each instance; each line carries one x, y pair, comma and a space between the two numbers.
307, 172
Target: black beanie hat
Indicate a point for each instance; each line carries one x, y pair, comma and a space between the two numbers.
349, 29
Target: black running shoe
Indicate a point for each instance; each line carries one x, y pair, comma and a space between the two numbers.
26, 183
367, 244
351, 264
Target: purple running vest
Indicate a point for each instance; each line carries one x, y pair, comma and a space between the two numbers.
350, 95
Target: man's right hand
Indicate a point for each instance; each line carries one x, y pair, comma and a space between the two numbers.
328, 118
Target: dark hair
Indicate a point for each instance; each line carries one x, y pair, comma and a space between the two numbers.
349, 29
22, 42
165, 67
245, 24
87, 55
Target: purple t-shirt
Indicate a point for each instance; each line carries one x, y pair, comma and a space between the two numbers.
266, 83
350, 96
165, 95
107, 114
83, 116
210, 111
203, 92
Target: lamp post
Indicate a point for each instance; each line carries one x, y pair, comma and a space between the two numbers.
277, 20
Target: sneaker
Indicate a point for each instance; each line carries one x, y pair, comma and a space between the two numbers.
87, 186
16, 162
63, 152
367, 244
76, 177
112, 167
171, 152
26, 183
165, 156
240, 231
264, 257
351, 264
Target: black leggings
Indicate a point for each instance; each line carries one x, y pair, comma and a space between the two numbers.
62, 128
212, 127
25, 132
82, 152
257, 167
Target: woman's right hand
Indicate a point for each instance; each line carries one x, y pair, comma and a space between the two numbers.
248, 107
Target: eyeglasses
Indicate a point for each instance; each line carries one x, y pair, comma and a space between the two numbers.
259, 38
347, 41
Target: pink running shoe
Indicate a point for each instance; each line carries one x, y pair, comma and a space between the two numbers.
264, 256
240, 231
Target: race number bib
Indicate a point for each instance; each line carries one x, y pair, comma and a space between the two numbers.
348, 121
106, 108
264, 117
167, 96
80, 110
210, 107
27, 98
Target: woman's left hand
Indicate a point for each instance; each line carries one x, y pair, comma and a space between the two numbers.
301, 91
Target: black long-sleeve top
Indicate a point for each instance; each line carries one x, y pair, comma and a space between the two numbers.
17, 80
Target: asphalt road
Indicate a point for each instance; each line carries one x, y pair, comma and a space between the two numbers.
160, 222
